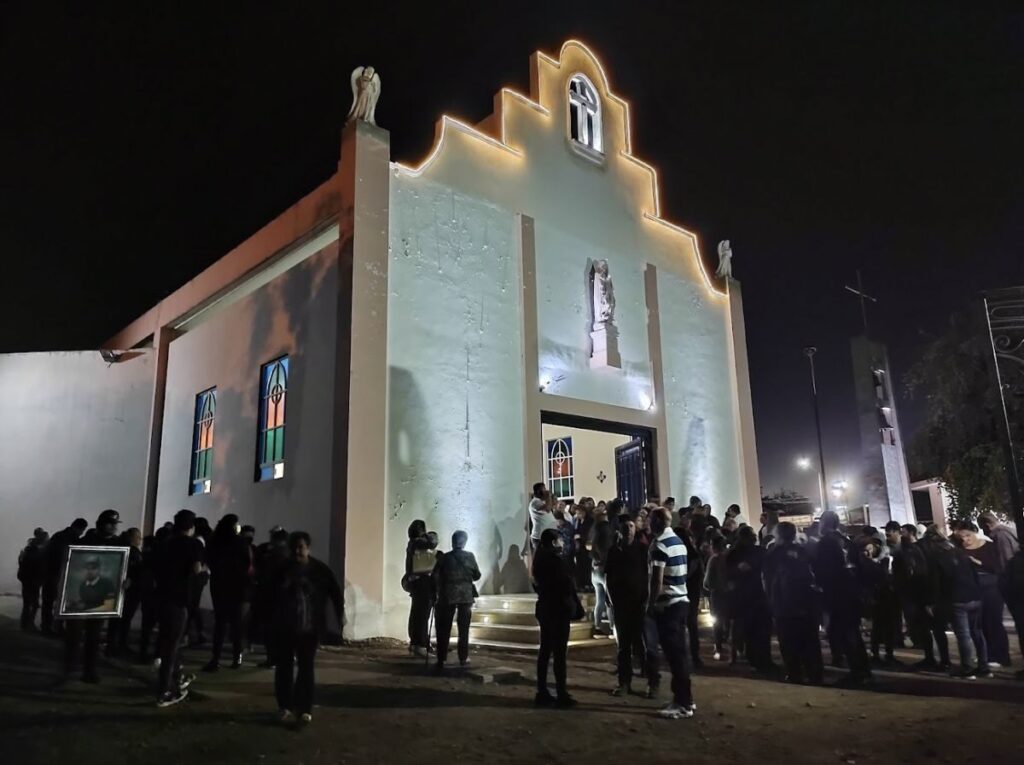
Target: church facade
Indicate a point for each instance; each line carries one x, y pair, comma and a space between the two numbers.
416, 341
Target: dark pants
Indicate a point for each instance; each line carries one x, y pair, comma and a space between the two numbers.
294, 690
885, 623
692, 626
1017, 612
228, 615
443, 617
29, 604
992, 620
755, 625
150, 617
720, 613
195, 613
844, 622
652, 666
77, 632
421, 594
629, 629
173, 623
132, 601
934, 632
49, 601
671, 622
554, 642
970, 637
800, 647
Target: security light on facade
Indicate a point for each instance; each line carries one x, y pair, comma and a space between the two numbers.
646, 402
804, 463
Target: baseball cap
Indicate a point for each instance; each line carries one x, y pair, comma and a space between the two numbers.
108, 516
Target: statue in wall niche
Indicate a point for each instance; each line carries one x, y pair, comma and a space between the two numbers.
724, 260
604, 294
365, 92
604, 337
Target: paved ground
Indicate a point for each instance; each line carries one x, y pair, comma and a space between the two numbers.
375, 705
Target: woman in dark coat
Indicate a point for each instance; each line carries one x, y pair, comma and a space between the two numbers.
231, 571
418, 582
557, 605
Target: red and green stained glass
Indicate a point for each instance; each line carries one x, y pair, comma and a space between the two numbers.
273, 396
202, 442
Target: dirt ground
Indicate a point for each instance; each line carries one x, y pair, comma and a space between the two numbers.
376, 705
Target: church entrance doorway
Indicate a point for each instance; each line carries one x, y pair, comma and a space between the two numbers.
584, 457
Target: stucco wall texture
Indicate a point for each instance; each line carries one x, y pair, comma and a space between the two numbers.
76, 444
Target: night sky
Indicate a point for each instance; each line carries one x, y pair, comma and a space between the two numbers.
138, 147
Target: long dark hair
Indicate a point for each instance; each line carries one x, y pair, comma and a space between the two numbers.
225, 531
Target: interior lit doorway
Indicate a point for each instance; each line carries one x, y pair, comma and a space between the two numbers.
584, 457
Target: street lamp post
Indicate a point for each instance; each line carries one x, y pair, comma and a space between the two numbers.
809, 352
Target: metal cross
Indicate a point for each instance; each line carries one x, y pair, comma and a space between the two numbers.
860, 293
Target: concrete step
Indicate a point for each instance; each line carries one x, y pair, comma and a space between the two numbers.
596, 642
521, 603
514, 633
521, 618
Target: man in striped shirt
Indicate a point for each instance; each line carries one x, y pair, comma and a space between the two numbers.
668, 607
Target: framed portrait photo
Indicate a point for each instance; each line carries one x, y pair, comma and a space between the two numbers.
92, 584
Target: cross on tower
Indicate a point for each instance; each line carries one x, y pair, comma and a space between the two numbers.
860, 293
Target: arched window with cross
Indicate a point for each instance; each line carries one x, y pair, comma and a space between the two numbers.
585, 114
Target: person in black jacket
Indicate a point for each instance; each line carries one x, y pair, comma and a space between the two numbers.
418, 582
794, 599
134, 585
56, 552
271, 556
454, 575
746, 592
557, 604
835, 573
177, 560
626, 576
231, 567
89, 631
32, 574
305, 587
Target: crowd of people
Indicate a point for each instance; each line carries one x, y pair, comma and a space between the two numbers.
650, 569
901, 583
275, 593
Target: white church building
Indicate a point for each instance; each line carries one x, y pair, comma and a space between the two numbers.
412, 341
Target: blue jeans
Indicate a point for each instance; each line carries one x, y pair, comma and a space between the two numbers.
603, 605
970, 639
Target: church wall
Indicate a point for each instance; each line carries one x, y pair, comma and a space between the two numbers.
455, 413
295, 314
703, 449
564, 315
76, 429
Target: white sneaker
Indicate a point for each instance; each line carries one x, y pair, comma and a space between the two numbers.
693, 707
170, 698
306, 718
994, 665
675, 712
285, 716
717, 656
186, 680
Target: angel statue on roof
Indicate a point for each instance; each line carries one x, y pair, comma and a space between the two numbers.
724, 260
365, 92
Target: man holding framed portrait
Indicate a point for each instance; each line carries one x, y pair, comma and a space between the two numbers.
91, 592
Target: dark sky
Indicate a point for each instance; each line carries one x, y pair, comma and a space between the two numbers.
139, 145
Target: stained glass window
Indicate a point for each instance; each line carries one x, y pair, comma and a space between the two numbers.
560, 475
273, 392
202, 442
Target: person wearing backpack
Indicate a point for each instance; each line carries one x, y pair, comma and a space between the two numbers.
417, 581
795, 604
304, 587
455, 573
